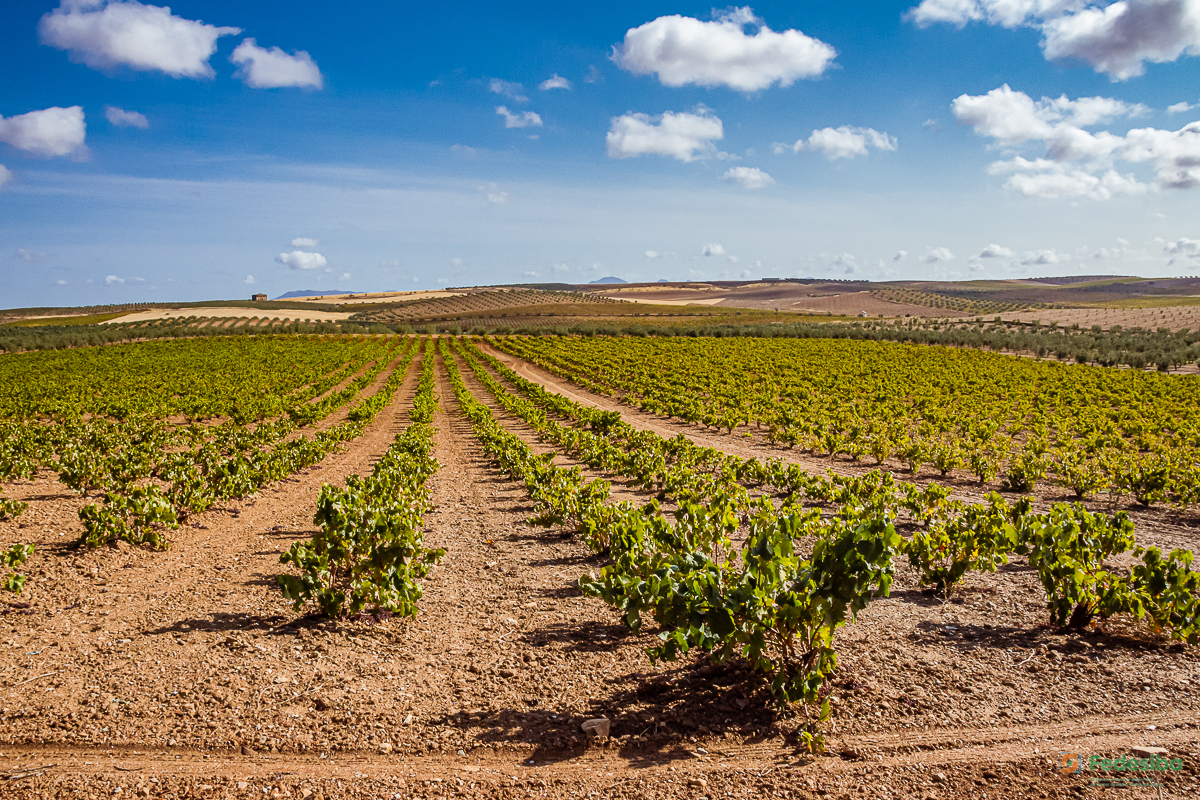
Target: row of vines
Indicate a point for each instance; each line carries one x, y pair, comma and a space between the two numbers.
160, 432
1008, 422
765, 561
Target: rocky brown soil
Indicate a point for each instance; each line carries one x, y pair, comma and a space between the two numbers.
185, 674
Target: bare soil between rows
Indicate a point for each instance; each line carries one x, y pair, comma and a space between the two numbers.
186, 674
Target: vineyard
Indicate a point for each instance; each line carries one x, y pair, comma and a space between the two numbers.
639, 566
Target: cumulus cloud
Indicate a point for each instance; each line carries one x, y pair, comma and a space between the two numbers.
713, 249
555, 81
49, 132
106, 35
125, 119
304, 241
1042, 257
262, 68
1042, 178
935, 254
521, 119
497, 198
847, 263
653, 254
995, 251
298, 259
1116, 39
5, 175
845, 142
1180, 108
31, 256
684, 50
109, 280
1183, 247
249, 280
748, 177
1012, 117
684, 136
510, 89
900, 255
1079, 163
1114, 252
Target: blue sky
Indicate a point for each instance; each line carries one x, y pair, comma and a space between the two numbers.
223, 148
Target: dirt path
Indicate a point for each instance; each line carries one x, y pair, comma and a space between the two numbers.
622, 488
185, 674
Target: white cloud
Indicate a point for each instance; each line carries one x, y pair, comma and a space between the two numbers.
900, 255
1180, 108
935, 254
1183, 247
109, 280
50, 132
249, 280
60, 282
748, 177
521, 119
494, 195
653, 254
125, 119
1042, 257
5, 174
298, 259
847, 263
31, 256
510, 89
683, 50
304, 241
845, 142
1048, 179
932, 125
594, 75
1079, 163
345, 276
713, 249
684, 136
995, 251
1007, 13
1114, 252
1115, 38
105, 35
556, 81
1011, 117
260, 68
456, 262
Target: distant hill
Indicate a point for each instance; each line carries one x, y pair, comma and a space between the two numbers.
609, 279
315, 293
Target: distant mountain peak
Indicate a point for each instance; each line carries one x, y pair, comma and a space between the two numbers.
610, 279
